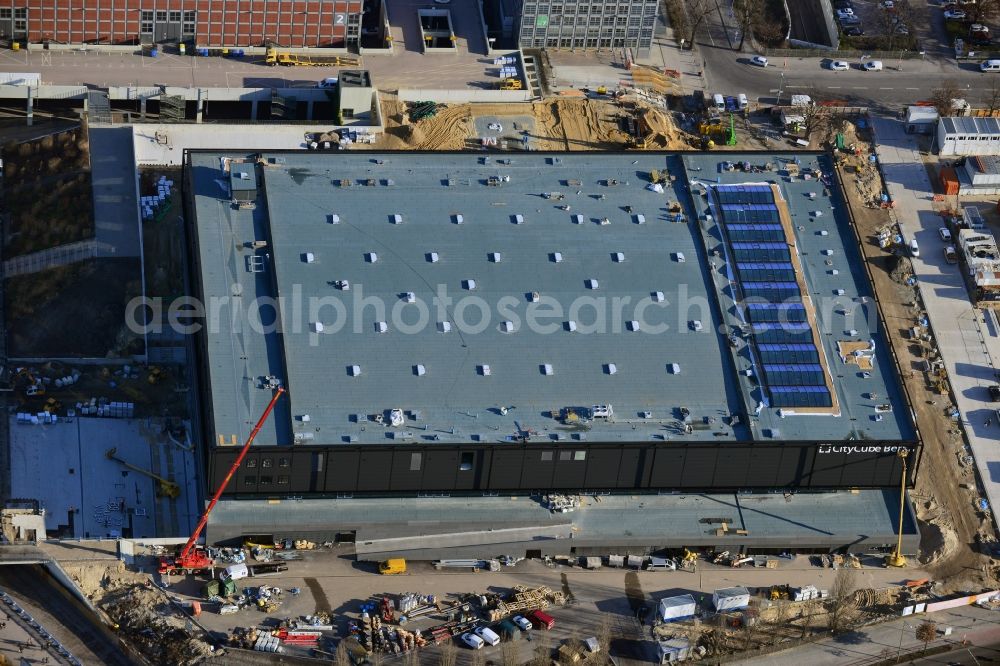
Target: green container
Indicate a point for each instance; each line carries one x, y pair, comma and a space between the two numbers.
211, 589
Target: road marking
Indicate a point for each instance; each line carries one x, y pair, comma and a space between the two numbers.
833, 87
885, 88
856, 88
796, 86
911, 88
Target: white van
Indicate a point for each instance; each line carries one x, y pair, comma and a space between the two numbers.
489, 636
914, 248
989, 66
718, 103
328, 82
235, 572
661, 564
743, 101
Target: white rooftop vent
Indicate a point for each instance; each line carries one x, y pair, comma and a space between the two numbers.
334, 219
556, 257
444, 326
533, 297
610, 368
659, 297
484, 370
433, 257
494, 257
824, 232
507, 326
578, 219
519, 219
834, 272
381, 327
590, 284
571, 326
673, 368
679, 256
354, 370
469, 284
839, 292
618, 257
317, 327
371, 257
308, 257
633, 325
419, 370
828, 252
397, 219
640, 219
410, 297
546, 369
459, 219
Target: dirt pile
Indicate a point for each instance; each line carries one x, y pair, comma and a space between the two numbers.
143, 614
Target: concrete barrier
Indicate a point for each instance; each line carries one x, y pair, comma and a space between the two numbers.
463, 96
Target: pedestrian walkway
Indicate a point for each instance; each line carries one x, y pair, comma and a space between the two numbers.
666, 54
116, 207
968, 347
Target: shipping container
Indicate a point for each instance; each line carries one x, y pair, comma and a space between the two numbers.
949, 181
674, 609
731, 598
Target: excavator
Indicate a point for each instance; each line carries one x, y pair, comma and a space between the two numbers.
191, 559
166, 488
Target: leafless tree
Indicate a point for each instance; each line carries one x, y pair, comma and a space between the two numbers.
782, 613
767, 30
943, 98
841, 608
983, 11
697, 12
747, 12
509, 654
751, 627
604, 634
926, 632
992, 96
478, 659
449, 654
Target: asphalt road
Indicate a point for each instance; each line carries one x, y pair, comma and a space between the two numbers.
965, 656
901, 82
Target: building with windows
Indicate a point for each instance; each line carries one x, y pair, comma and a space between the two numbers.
469, 333
202, 23
586, 24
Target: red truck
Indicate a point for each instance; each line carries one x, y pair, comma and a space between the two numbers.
541, 620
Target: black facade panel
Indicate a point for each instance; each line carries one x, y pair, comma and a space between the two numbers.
505, 470
375, 469
440, 470
341, 471
699, 467
667, 468
521, 468
569, 472
602, 468
630, 469
538, 468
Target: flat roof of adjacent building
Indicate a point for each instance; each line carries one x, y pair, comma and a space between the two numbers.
962, 125
487, 293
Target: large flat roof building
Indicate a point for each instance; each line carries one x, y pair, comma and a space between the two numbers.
461, 323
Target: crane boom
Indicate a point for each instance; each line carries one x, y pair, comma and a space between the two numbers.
186, 552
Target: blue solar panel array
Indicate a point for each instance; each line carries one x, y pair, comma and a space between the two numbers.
792, 374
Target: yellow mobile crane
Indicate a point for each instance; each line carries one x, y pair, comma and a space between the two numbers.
167, 488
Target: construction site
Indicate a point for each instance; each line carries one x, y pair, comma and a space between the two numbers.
484, 489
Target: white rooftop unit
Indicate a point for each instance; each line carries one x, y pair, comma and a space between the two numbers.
519, 219
571, 326
410, 297
640, 219
674, 368
659, 297
469, 284
611, 368
679, 257
590, 284
578, 219
397, 219
317, 327
632, 325
731, 598
419, 370
618, 257
309, 257
432, 257
444, 326
354, 370
484, 370
371, 257
381, 327
494, 257
673, 609
334, 219
507, 326
547, 369
533, 297
459, 219
556, 257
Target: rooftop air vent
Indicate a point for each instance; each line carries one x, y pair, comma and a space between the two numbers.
381, 327
317, 327
410, 297
397, 219
419, 370
469, 284
432, 257
334, 219
611, 368
632, 325
590, 284
546, 369
571, 326
519, 219
659, 297
494, 257
354, 370
640, 219
444, 326
308, 257
483, 370
459, 219
371, 257
555, 257
578, 219
617, 257
507, 326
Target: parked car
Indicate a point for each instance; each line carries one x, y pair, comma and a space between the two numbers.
945, 234
841, 13
760, 61
489, 636
854, 31
887, 4
839, 66
473, 641
522, 622
849, 20
954, 15
950, 255
872, 66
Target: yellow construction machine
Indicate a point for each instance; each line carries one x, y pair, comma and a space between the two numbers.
166, 488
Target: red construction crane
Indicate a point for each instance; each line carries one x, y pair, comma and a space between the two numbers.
191, 559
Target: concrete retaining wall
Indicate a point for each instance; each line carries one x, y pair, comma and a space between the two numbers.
462, 96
